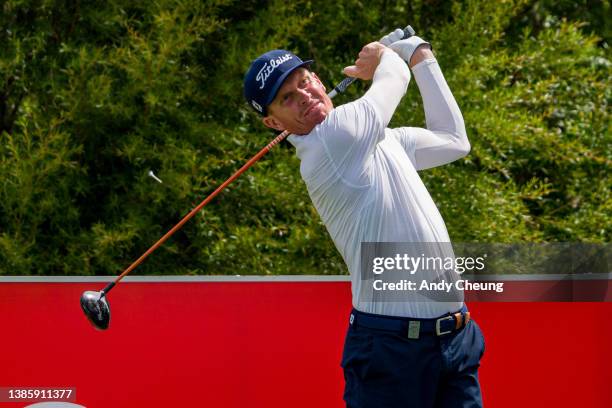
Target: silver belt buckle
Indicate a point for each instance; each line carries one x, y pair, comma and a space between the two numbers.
414, 328
438, 332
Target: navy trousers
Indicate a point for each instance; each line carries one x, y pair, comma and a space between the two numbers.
386, 369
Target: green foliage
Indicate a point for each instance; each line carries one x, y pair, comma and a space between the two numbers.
94, 95
537, 118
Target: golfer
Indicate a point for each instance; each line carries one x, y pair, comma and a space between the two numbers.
362, 178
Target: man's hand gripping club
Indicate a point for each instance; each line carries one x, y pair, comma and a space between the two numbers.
412, 50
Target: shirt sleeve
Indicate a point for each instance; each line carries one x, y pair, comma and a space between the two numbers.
445, 139
353, 130
389, 85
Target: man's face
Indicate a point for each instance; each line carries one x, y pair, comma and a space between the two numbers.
300, 104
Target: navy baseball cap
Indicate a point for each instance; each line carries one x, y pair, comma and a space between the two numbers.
266, 75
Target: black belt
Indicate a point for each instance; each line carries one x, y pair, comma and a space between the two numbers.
412, 327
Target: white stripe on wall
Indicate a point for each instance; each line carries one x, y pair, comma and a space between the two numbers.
279, 278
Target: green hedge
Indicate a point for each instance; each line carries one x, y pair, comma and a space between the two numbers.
95, 94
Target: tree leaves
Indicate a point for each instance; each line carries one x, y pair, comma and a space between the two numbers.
94, 95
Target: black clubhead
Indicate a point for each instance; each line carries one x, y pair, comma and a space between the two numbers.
96, 309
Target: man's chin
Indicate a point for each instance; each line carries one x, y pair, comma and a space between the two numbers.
318, 116
313, 119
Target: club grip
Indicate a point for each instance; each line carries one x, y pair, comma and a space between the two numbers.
341, 87
408, 32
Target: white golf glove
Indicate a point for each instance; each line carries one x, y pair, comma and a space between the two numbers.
392, 37
405, 48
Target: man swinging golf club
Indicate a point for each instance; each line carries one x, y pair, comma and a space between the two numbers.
362, 179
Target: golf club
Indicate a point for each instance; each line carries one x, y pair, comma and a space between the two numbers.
95, 305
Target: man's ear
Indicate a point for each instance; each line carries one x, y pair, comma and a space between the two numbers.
271, 122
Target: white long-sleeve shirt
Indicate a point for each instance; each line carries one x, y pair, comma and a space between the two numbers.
362, 176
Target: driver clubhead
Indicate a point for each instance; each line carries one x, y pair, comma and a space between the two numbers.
96, 309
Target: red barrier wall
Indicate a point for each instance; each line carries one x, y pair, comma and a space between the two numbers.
272, 344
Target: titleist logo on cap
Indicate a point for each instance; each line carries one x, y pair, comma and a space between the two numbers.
269, 67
